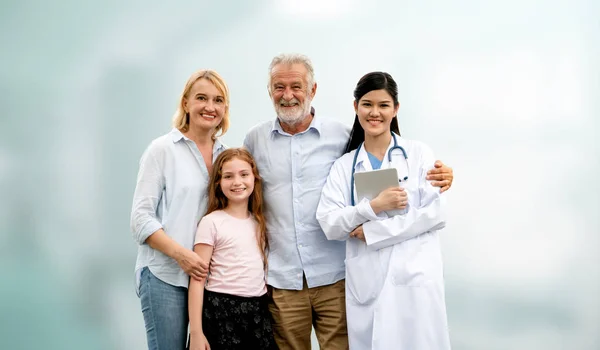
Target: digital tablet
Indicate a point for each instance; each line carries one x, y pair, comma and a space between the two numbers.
370, 183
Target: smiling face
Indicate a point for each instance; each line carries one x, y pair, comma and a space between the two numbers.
290, 92
205, 105
375, 111
237, 180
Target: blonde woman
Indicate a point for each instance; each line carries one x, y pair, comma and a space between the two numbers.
171, 196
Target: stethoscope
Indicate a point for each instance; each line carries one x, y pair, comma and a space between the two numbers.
390, 154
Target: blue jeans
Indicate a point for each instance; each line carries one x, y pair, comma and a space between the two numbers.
165, 312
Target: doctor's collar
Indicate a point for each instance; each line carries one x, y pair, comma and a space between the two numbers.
362, 155
314, 124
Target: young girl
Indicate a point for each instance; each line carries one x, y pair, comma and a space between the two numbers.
229, 310
394, 280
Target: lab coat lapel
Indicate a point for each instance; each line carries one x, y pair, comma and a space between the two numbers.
362, 161
386, 161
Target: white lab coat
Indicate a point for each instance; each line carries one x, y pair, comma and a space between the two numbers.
394, 283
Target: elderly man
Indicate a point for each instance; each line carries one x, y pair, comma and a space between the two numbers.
294, 154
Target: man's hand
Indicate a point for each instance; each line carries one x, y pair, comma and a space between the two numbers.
441, 175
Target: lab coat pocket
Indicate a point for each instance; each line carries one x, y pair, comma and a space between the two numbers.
411, 263
364, 277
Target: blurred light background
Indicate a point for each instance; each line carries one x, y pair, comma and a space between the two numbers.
506, 92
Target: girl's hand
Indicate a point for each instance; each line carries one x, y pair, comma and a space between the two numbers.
199, 343
192, 264
390, 199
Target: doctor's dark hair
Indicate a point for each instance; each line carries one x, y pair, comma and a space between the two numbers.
370, 82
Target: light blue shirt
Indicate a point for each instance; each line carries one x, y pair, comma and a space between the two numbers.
294, 169
171, 193
375, 163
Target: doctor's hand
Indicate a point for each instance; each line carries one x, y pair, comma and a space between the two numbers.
358, 233
442, 176
390, 199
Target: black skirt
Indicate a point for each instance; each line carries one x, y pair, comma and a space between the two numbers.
231, 322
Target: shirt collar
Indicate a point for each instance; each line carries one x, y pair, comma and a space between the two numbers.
363, 157
218, 145
314, 124
177, 135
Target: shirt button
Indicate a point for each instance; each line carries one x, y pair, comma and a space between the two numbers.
299, 245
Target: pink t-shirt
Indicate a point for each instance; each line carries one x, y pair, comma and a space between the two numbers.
236, 266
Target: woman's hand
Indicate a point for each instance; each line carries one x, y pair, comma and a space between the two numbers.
358, 233
199, 343
192, 264
390, 199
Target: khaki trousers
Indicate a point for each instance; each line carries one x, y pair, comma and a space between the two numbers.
295, 312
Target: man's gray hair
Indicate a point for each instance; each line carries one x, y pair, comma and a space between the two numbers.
293, 58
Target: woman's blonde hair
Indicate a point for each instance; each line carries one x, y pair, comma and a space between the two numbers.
181, 119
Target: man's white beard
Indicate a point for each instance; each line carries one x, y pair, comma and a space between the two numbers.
292, 116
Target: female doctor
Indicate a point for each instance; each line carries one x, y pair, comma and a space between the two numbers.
394, 279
